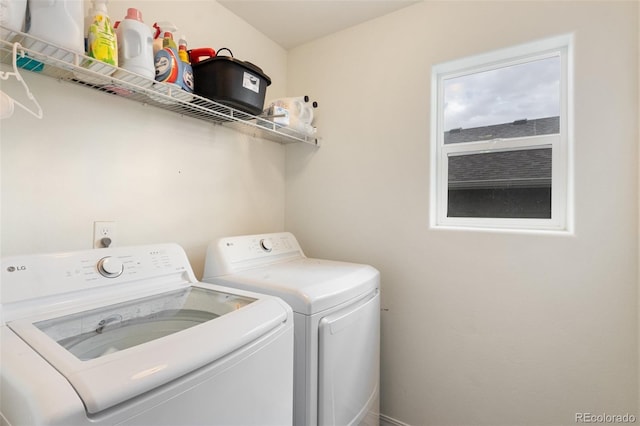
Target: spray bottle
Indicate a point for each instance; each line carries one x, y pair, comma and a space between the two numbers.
159, 29
101, 38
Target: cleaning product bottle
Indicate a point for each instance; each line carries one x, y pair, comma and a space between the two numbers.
159, 29
187, 72
102, 43
60, 23
294, 112
12, 15
88, 20
135, 45
167, 62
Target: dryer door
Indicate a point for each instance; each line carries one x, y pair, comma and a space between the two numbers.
349, 363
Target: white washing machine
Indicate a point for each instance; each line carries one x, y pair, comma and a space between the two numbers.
128, 336
337, 322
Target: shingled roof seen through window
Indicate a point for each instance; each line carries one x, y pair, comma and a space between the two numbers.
526, 168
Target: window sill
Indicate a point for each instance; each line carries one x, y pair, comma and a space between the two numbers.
560, 232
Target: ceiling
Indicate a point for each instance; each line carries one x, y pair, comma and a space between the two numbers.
291, 23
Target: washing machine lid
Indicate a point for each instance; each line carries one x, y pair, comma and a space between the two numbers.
308, 285
113, 353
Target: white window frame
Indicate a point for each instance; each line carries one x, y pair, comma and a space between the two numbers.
561, 144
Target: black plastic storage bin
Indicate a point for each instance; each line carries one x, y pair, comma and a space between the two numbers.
229, 81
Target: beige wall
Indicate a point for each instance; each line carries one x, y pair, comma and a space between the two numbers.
478, 328
161, 177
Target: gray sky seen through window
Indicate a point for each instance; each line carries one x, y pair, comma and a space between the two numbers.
529, 90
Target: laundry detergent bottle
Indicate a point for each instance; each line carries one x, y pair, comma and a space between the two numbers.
135, 45
12, 15
102, 42
167, 62
57, 21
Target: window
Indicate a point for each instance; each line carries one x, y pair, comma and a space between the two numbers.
500, 138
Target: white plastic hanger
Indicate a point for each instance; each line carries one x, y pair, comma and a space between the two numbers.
8, 102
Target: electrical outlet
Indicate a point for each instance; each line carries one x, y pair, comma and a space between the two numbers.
104, 234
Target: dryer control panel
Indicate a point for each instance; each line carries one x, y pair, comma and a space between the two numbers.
233, 254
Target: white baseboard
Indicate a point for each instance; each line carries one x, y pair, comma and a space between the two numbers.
390, 421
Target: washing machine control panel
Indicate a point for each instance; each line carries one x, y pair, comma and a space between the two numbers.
32, 276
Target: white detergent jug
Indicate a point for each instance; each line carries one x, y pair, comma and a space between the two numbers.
58, 22
12, 16
135, 46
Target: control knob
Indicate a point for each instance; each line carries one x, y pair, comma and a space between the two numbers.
110, 267
266, 245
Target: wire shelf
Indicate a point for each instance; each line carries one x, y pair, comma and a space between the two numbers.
43, 57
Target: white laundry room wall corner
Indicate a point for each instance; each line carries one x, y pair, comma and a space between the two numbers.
478, 327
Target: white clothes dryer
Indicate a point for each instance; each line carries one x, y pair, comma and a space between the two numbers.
128, 336
336, 318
